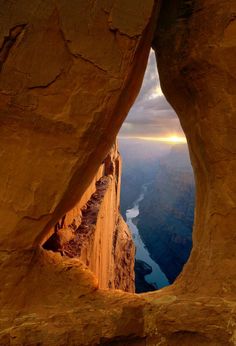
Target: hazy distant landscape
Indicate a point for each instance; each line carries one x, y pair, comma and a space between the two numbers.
140, 164
155, 155
166, 212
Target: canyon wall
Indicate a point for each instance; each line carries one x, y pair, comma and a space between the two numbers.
66, 84
166, 213
95, 232
70, 70
200, 83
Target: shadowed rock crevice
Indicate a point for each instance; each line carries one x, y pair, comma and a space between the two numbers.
186, 9
9, 42
45, 86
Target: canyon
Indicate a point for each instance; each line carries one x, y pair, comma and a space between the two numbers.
166, 213
70, 71
142, 157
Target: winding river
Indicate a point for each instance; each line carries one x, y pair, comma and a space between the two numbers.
157, 277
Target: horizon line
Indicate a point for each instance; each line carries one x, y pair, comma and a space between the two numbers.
173, 139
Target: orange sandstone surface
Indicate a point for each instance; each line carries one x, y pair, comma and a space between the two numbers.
95, 232
69, 72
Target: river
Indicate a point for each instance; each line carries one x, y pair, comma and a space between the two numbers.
157, 277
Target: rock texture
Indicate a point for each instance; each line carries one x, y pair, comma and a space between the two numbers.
200, 83
70, 70
95, 232
66, 84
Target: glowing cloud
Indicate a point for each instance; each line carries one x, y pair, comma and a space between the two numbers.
157, 92
174, 139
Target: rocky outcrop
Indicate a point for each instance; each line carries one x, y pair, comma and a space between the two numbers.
141, 270
123, 258
95, 232
60, 112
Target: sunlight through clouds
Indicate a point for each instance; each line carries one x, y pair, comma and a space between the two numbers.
151, 115
157, 93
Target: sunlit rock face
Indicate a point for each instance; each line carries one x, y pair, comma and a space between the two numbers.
95, 232
69, 73
66, 84
60, 113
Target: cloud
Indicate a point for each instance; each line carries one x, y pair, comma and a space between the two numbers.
151, 114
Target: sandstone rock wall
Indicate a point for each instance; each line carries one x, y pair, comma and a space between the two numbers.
94, 230
70, 71
66, 84
196, 56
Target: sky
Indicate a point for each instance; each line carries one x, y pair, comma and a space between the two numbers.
151, 115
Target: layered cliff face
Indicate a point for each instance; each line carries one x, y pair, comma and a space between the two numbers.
60, 113
95, 232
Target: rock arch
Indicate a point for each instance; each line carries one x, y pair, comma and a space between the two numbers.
62, 100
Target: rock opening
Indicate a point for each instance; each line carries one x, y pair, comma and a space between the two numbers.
60, 114
157, 189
